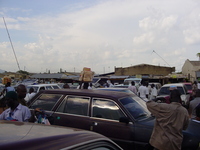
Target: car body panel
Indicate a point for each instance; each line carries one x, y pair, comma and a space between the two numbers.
20, 135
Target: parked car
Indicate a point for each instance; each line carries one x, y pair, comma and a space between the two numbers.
164, 93
25, 136
188, 86
39, 87
122, 117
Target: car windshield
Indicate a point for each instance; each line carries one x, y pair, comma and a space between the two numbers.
166, 91
188, 86
136, 107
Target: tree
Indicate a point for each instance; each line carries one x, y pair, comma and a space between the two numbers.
23, 72
198, 55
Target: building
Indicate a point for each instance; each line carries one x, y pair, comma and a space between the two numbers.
144, 69
191, 69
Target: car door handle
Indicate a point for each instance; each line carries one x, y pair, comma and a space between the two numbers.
95, 123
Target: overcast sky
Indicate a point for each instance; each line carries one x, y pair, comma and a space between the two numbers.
100, 34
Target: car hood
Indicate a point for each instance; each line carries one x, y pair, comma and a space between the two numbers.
15, 131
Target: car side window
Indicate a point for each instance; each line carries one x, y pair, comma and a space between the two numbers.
55, 87
75, 105
46, 101
106, 109
48, 87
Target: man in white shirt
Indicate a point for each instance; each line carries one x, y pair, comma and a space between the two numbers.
143, 91
16, 111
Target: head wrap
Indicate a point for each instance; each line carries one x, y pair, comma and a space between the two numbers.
11, 95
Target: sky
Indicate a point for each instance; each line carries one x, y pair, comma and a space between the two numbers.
49, 35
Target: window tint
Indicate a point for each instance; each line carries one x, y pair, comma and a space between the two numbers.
75, 105
46, 101
106, 109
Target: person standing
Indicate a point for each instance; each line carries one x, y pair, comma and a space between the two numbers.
193, 104
16, 111
133, 88
30, 94
194, 88
21, 92
171, 119
8, 88
153, 92
143, 91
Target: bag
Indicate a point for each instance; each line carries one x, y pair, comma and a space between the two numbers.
41, 117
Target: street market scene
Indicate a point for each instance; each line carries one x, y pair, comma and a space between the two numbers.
100, 75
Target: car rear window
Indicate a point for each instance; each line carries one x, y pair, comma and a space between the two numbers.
46, 101
166, 91
188, 86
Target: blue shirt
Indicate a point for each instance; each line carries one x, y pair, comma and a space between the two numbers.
21, 113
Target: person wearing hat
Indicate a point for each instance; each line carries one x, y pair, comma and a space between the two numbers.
16, 111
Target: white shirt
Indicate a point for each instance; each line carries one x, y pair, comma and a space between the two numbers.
21, 113
198, 85
29, 96
143, 91
154, 92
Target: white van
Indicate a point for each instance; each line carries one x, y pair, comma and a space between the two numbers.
39, 87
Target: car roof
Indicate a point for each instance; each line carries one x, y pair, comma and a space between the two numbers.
23, 134
86, 92
42, 85
175, 84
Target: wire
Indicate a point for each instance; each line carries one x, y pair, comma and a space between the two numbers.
161, 57
11, 44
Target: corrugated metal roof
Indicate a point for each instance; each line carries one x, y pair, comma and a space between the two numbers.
49, 76
195, 63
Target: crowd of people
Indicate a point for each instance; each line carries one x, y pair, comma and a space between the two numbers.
171, 118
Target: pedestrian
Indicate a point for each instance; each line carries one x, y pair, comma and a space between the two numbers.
143, 91
30, 94
109, 83
193, 104
85, 85
171, 119
154, 92
133, 88
90, 87
21, 92
16, 111
194, 88
8, 88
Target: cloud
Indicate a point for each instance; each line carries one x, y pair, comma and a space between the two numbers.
101, 34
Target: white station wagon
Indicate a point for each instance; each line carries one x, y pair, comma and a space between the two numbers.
39, 87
